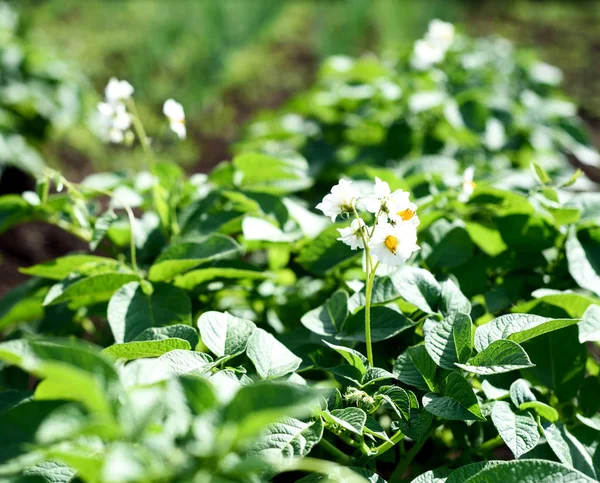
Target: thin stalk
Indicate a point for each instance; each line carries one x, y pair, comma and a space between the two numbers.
490, 444
382, 448
337, 453
369, 292
139, 128
408, 458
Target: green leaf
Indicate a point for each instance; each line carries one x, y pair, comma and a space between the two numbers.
486, 237
51, 472
325, 252
542, 409
589, 403
452, 299
416, 368
353, 357
23, 303
177, 331
448, 245
568, 449
270, 357
187, 361
140, 349
589, 327
449, 341
528, 470
419, 422
184, 256
456, 400
87, 291
557, 304
518, 328
461, 474
518, 430
329, 318
62, 267
398, 398
131, 310
500, 356
540, 173
386, 321
190, 280
581, 266
520, 392
351, 419
225, 334
289, 438
257, 405
559, 361
438, 475
269, 174
418, 287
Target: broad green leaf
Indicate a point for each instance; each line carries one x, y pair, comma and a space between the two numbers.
542, 409
89, 290
557, 304
418, 424
589, 327
270, 357
449, 341
438, 475
486, 237
190, 280
184, 256
345, 474
329, 318
148, 348
186, 361
416, 368
461, 474
581, 266
518, 328
131, 310
493, 392
51, 471
276, 175
418, 287
398, 398
353, 357
289, 438
62, 267
500, 356
386, 322
199, 392
325, 252
520, 392
176, 331
568, 449
456, 400
257, 405
452, 299
447, 245
528, 471
559, 361
351, 419
23, 303
518, 429
225, 334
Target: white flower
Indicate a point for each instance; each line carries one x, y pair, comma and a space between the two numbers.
394, 206
440, 33
426, 54
402, 210
393, 244
468, 185
174, 112
118, 90
377, 201
353, 235
546, 74
495, 135
342, 199
115, 120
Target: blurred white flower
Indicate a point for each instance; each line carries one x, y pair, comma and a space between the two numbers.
353, 235
426, 54
117, 90
468, 185
494, 136
393, 244
342, 199
545, 74
115, 121
340, 63
440, 33
174, 112
422, 101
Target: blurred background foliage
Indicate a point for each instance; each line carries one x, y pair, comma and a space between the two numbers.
226, 60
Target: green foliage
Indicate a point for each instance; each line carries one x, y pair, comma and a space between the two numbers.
218, 331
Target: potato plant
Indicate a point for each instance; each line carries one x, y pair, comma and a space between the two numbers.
426, 320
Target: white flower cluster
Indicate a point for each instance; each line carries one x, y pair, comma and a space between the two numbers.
115, 119
393, 237
432, 49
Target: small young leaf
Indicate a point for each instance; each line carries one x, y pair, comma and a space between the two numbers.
62, 267
589, 327
540, 173
542, 409
351, 419
518, 430
416, 368
138, 349
520, 392
353, 357
329, 318
270, 357
500, 356
225, 334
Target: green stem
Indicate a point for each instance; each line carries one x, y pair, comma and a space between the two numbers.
337, 453
408, 458
490, 444
139, 128
369, 291
382, 448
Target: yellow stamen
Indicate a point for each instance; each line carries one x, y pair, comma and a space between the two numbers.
391, 242
472, 184
406, 214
